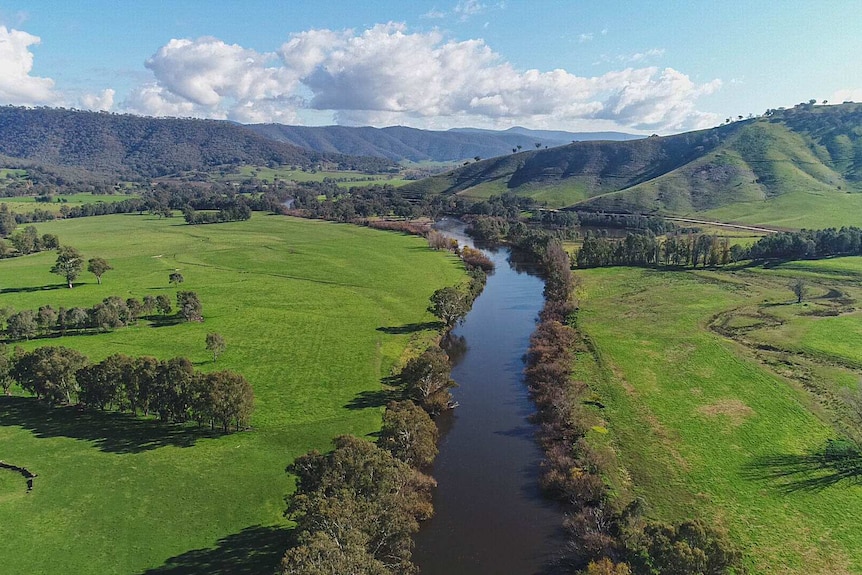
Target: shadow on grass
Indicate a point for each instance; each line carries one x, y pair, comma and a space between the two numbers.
109, 431
253, 551
410, 327
38, 288
164, 320
838, 463
377, 398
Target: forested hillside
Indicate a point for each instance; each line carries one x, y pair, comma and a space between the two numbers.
402, 143
135, 146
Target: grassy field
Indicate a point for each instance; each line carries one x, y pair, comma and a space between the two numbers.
796, 209
25, 204
314, 315
706, 420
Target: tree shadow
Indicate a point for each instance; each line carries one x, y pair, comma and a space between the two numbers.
253, 551
164, 320
377, 398
109, 431
838, 463
410, 327
37, 288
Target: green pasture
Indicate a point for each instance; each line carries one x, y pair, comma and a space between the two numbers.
25, 204
314, 314
704, 424
795, 209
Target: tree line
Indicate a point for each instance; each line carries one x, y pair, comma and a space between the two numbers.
111, 313
170, 389
645, 249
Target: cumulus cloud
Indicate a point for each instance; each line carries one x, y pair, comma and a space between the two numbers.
99, 102
388, 75
17, 86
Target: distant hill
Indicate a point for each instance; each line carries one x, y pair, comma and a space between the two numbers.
401, 143
122, 144
557, 135
738, 171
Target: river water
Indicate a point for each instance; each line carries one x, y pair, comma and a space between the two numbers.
490, 517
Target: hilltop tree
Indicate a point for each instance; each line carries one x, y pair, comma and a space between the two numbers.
97, 267
176, 278
69, 264
216, 344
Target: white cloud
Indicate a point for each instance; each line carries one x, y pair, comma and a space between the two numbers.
467, 8
17, 86
387, 75
847, 95
641, 56
100, 102
585, 37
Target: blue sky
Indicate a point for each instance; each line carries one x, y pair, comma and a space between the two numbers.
659, 66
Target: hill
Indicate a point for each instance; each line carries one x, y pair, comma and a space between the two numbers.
134, 146
764, 170
399, 143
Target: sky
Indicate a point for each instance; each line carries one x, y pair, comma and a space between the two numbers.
662, 66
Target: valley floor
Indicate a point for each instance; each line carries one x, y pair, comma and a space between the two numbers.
717, 396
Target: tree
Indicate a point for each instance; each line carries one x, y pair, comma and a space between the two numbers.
176, 278
215, 344
229, 399
5, 369
69, 264
97, 267
22, 325
163, 304
799, 289
409, 434
450, 305
50, 372
426, 379
189, 306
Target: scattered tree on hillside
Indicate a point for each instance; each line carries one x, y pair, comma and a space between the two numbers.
97, 267
22, 325
450, 305
189, 306
163, 304
215, 344
799, 289
69, 264
176, 278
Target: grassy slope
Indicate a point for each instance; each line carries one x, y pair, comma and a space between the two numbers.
298, 302
694, 419
269, 174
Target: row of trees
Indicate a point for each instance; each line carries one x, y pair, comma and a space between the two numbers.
645, 249
111, 313
236, 212
170, 388
804, 244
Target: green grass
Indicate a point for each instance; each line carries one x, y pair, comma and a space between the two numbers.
795, 209
303, 307
24, 204
702, 428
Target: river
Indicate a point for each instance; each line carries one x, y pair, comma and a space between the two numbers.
490, 517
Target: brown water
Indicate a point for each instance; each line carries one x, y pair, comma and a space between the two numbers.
490, 516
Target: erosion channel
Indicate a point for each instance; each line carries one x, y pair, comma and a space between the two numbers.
490, 517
